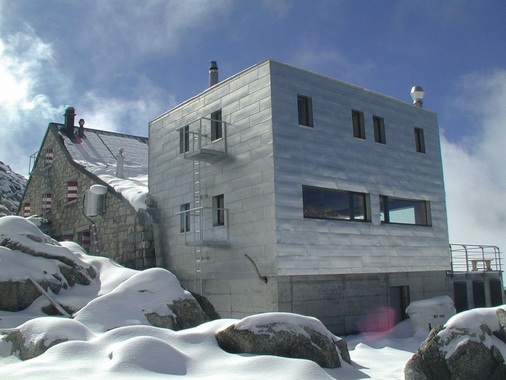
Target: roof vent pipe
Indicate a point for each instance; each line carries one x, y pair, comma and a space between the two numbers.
213, 73
70, 115
417, 95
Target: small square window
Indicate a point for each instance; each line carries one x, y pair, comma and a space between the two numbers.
419, 140
216, 125
305, 110
71, 191
379, 130
357, 118
26, 209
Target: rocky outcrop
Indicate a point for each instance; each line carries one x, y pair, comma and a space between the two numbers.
36, 336
292, 337
469, 346
187, 313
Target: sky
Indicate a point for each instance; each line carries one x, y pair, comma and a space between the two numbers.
123, 63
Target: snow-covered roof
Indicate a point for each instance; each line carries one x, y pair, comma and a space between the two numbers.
98, 151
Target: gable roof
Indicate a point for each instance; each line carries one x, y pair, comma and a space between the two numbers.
95, 155
97, 152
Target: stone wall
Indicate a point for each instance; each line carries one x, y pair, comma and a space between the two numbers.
121, 233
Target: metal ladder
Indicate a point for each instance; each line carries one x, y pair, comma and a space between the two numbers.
197, 250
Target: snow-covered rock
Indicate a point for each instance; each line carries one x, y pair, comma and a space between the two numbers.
287, 335
34, 337
471, 345
155, 298
12, 187
28, 256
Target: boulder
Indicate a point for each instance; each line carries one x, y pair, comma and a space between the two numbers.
287, 335
156, 298
468, 346
36, 336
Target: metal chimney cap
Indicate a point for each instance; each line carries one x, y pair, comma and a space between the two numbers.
417, 94
214, 65
70, 111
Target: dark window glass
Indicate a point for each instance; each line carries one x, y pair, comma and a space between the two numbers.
419, 140
304, 107
184, 139
404, 211
357, 118
219, 210
321, 203
216, 125
185, 218
379, 130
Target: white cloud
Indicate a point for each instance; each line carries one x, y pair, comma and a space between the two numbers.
475, 174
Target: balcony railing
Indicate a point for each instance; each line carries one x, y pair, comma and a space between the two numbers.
474, 258
205, 226
204, 139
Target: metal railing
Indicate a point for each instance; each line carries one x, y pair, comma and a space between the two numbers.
204, 139
205, 226
474, 258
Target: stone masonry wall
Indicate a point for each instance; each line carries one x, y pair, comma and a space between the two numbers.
122, 234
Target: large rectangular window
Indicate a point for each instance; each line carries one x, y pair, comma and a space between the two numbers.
184, 223
219, 210
379, 130
419, 140
216, 125
357, 118
319, 203
184, 139
404, 211
305, 110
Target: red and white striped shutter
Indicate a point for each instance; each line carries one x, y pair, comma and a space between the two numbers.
26, 210
47, 202
86, 240
48, 160
71, 191
67, 237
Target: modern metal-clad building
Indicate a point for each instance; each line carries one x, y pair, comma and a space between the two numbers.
284, 190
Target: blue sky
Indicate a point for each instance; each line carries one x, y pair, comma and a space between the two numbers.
122, 63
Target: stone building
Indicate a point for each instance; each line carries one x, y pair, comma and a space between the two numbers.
90, 186
284, 190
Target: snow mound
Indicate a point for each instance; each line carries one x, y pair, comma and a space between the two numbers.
150, 291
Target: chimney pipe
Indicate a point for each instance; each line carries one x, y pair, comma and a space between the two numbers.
70, 115
81, 128
213, 73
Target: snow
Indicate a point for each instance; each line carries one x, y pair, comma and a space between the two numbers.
118, 342
98, 152
12, 187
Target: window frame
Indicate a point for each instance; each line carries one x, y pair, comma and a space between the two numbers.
184, 139
219, 210
353, 200
184, 220
72, 191
216, 125
305, 111
419, 140
379, 129
421, 209
358, 123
